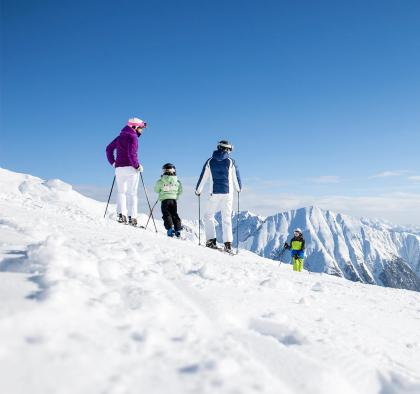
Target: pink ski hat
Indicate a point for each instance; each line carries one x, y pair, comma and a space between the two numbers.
136, 122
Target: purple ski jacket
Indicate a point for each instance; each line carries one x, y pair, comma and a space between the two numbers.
126, 145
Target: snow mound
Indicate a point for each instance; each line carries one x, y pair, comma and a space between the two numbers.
99, 307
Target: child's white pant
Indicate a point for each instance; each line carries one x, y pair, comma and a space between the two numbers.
224, 204
127, 183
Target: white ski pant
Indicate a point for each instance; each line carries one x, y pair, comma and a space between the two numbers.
127, 184
224, 204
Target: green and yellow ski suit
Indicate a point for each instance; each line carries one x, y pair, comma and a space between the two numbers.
297, 248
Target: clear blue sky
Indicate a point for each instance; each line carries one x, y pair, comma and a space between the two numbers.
320, 98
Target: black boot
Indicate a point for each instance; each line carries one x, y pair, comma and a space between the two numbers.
132, 221
228, 247
122, 218
211, 243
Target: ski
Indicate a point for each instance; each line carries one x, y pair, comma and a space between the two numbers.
220, 249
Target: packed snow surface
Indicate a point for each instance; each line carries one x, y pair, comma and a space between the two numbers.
88, 305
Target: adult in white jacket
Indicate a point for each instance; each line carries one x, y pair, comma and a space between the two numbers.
223, 174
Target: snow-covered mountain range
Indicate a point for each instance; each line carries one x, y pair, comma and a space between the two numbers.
361, 250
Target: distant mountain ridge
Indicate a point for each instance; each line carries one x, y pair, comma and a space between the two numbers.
362, 250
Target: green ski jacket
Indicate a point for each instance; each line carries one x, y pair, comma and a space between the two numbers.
168, 187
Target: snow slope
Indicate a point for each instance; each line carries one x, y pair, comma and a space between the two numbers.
91, 306
363, 250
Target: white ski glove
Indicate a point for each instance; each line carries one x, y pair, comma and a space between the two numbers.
139, 168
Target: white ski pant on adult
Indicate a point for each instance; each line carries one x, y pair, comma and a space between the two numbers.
127, 183
224, 204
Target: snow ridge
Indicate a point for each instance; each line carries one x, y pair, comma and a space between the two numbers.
113, 309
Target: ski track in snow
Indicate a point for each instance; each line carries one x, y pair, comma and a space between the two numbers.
91, 306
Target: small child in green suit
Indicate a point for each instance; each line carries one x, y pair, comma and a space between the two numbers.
169, 189
297, 249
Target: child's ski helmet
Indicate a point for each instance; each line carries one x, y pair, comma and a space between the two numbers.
224, 145
169, 168
297, 230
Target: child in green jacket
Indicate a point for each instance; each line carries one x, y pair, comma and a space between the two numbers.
297, 249
169, 189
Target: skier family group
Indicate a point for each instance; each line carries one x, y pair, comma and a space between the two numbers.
220, 170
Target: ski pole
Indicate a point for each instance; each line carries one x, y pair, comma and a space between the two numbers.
237, 229
281, 254
112, 187
150, 214
148, 202
282, 251
199, 220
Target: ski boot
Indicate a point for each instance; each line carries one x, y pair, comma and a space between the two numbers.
178, 233
211, 243
228, 247
122, 218
132, 221
170, 232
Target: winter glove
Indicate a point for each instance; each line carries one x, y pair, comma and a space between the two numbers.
113, 164
139, 168
197, 193
286, 245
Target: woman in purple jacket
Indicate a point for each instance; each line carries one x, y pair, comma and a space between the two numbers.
127, 169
